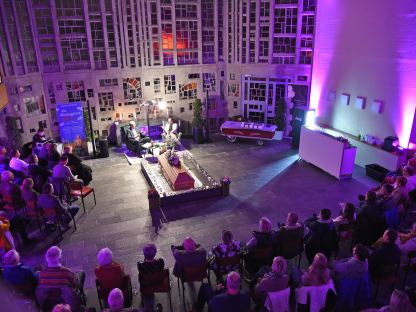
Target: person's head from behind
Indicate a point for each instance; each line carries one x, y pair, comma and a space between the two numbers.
325, 214
11, 258
14, 153
371, 197
7, 177
116, 299
348, 211
132, 124
33, 159
47, 189
62, 308
53, 256
292, 218
408, 171
387, 189
27, 184
279, 265
189, 244
149, 252
227, 237
320, 262
41, 131
265, 225
360, 252
67, 149
401, 181
233, 282
389, 236
3, 151
400, 302
63, 160
105, 256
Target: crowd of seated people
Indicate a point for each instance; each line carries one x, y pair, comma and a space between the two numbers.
374, 247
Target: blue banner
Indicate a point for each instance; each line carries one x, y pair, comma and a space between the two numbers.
71, 122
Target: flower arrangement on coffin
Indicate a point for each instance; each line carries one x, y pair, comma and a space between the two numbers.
225, 180
173, 158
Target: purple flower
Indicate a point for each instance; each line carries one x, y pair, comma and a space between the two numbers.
226, 180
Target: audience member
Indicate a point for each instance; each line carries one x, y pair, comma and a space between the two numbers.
16, 274
275, 280
16, 163
62, 308
37, 172
399, 302
188, 255
47, 200
28, 194
53, 154
226, 249
291, 222
62, 171
83, 171
401, 192
370, 222
318, 272
224, 300
6, 238
109, 273
116, 302
322, 235
408, 173
4, 160
407, 243
39, 137
55, 275
388, 254
385, 200
347, 215
355, 266
264, 237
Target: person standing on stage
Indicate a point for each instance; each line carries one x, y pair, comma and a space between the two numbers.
39, 137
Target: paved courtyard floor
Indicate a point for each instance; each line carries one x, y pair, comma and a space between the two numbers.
266, 181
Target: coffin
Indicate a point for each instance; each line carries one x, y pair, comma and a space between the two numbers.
178, 178
248, 130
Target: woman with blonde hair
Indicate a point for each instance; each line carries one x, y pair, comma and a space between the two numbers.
318, 273
28, 193
264, 236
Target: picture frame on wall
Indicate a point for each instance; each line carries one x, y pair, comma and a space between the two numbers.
376, 107
360, 102
345, 99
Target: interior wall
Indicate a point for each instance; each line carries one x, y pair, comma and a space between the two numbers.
365, 49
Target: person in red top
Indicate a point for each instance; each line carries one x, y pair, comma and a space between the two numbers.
57, 276
109, 273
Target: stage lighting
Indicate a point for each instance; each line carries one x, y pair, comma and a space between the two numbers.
310, 117
162, 105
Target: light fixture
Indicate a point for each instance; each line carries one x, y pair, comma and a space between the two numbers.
162, 105
310, 118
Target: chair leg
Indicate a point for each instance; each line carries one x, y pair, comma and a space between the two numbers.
59, 229
183, 295
405, 276
170, 301
300, 258
83, 204
75, 225
93, 193
377, 287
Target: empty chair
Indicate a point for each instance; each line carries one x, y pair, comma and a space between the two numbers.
159, 282
77, 189
278, 301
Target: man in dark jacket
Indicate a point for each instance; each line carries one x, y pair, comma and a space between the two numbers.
322, 236
188, 255
135, 138
387, 255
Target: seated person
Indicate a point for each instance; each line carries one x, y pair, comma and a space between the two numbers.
39, 137
136, 138
388, 255
347, 215
318, 273
291, 222
6, 238
109, 273
64, 308
48, 200
407, 243
62, 171
17, 164
400, 193
28, 194
37, 172
370, 223
15, 273
116, 302
171, 128
399, 301
150, 265
83, 171
275, 280
354, 267
225, 249
385, 200
55, 275
221, 299
289, 235
322, 235
187, 255
408, 173
4, 160
264, 237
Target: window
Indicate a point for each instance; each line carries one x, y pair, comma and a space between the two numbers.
188, 91
190, 106
308, 24
51, 93
108, 82
193, 76
235, 104
284, 45
132, 88
305, 57
306, 42
208, 81
170, 84
232, 76
106, 101
182, 109
156, 85
234, 89
309, 5
75, 91
285, 20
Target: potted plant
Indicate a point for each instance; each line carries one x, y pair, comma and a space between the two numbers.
197, 122
280, 119
225, 184
14, 134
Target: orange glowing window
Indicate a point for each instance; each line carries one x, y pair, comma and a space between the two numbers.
167, 41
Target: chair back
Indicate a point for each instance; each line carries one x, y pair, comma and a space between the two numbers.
223, 262
387, 273
31, 208
392, 218
291, 243
50, 213
151, 283
278, 301
48, 297
103, 290
354, 293
60, 188
75, 185
195, 273
262, 254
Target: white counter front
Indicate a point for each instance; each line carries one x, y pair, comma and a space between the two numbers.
327, 153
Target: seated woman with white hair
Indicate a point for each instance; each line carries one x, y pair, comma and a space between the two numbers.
109, 273
17, 274
116, 302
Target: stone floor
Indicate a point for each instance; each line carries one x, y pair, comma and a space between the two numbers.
266, 180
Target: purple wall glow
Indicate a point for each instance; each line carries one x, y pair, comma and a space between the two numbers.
366, 49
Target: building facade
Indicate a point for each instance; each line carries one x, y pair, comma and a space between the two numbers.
118, 54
